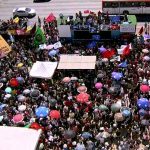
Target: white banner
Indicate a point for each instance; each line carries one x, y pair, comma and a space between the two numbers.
128, 28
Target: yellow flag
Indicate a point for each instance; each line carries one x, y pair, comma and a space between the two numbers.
16, 20
4, 47
28, 28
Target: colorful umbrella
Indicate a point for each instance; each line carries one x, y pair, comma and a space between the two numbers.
82, 89
8, 90
143, 103
145, 51
74, 78
116, 75
113, 90
118, 117
69, 134
26, 91
98, 85
13, 82
21, 98
20, 80
103, 107
42, 111
18, 118
66, 80
123, 64
146, 58
144, 88
35, 126
126, 113
86, 135
22, 108
55, 114
83, 97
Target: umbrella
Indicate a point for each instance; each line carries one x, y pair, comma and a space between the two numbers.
115, 107
98, 85
146, 58
82, 89
116, 75
143, 103
55, 114
8, 90
145, 51
18, 118
52, 53
52, 101
80, 147
74, 78
20, 80
20, 65
105, 134
126, 113
100, 75
69, 134
2, 106
118, 117
22, 108
123, 64
113, 90
35, 93
145, 122
142, 112
26, 91
3, 80
41, 111
86, 135
66, 80
7, 95
21, 98
83, 97
103, 107
14, 82
102, 49
35, 126
144, 88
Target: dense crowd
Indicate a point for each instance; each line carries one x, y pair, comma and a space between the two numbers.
89, 126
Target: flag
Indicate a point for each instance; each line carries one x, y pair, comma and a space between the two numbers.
33, 30
141, 30
16, 20
126, 50
39, 37
87, 11
108, 53
50, 18
123, 64
11, 37
29, 28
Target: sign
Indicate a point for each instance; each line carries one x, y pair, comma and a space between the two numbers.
64, 31
57, 45
4, 47
128, 28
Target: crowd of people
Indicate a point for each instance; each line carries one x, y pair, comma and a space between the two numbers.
90, 125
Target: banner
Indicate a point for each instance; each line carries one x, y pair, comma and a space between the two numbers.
4, 47
128, 28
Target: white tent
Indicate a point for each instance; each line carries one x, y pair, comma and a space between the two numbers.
77, 62
43, 69
17, 138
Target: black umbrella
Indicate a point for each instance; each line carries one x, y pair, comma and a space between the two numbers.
53, 102
35, 93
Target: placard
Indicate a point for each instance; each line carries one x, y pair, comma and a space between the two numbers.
128, 28
64, 31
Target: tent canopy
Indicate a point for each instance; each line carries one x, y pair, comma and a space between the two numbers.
77, 62
43, 69
16, 138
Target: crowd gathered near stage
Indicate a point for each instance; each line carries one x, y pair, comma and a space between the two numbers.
107, 108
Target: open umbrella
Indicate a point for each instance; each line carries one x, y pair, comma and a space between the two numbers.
2, 106
145, 122
105, 134
21, 98
8, 90
20, 80
69, 134
80, 146
118, 117
146, 58
83, 97
144, 88
26, 91
100, 75
142, 112
103, 107
116, 75
35, 93
113, 90
54, 114
145, 51
143, 103
14, 82
123, 64
126, 113
66, 80
53, 102
82, 89
98, 85
22, 108
18, 118
35, 126
115, 107
74, 78
86, 135
41, 111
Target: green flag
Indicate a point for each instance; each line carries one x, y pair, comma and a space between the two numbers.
27, 126
39, 37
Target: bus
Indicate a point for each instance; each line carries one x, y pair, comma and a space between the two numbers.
126, 7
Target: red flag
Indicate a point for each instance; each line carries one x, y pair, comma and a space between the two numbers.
141, 30
50, 18
126, 50
86, 11
108, 53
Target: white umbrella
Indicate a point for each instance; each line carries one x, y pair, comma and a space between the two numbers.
145, 51
26, 91
22, 108
146, 58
